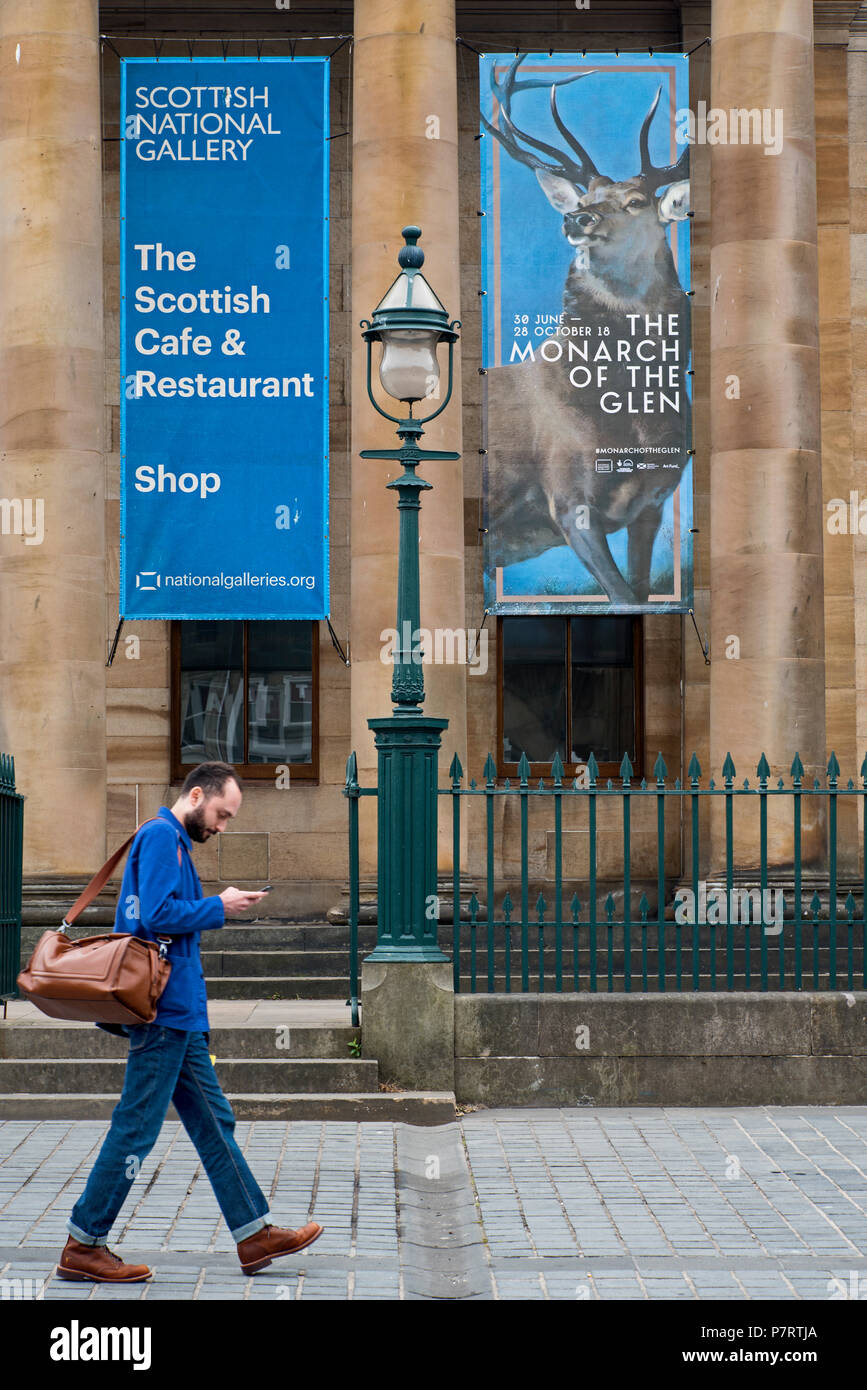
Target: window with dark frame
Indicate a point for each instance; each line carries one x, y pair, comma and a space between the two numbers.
570, 685
246, 693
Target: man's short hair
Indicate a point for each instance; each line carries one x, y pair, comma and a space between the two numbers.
211, 777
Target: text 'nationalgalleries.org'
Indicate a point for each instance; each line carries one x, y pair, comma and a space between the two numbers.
154, 579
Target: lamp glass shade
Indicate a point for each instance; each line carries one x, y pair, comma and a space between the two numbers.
408, 369
410, 292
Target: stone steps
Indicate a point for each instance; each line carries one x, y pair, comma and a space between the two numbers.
297, 1068
268, 936
287, 963
279, 986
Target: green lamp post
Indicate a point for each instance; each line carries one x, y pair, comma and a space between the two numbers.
410, 323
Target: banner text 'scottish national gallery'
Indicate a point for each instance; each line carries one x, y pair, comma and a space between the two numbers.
646, 223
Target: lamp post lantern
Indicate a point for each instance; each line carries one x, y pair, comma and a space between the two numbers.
410, 323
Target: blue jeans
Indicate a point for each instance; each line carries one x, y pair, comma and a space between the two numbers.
168, 1064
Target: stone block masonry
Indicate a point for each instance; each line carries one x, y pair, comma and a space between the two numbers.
678, 1049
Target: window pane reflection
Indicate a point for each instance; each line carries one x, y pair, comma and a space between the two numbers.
603, 689
534, 689
280, 692
212, 692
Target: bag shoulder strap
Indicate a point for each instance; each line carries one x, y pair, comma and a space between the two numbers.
99, 880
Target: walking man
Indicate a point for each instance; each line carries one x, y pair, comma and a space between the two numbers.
168, 1059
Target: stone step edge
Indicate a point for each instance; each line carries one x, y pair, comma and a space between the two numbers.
61, 1025
410, 1107
223, 1061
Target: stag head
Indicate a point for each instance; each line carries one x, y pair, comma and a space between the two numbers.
612, 220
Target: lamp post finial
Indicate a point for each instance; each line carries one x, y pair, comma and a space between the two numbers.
410, 256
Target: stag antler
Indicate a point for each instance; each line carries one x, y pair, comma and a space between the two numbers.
654, 176
578, 173
586, 162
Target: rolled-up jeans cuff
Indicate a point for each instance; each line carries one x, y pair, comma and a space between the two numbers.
82, 1237
242, 1232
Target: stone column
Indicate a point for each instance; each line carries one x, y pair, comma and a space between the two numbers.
52, 637
841, 475
404, 170
767, 624
689, 660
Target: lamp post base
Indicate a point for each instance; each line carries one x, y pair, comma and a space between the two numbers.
408, 749
407, 953
409, 1024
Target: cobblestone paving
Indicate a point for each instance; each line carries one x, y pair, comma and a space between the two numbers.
764, 1203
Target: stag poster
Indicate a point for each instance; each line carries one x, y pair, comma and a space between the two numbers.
224, 338
586, 334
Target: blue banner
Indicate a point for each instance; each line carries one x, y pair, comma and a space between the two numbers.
586, 333
224, 338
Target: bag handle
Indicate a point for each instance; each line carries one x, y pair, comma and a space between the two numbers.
99, 880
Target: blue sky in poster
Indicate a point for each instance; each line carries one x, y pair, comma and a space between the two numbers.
224, 471
604, 111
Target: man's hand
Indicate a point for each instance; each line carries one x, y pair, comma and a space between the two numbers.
235, 901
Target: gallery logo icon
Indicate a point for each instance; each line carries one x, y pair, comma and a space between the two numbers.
144, 575
604, 465
625, 465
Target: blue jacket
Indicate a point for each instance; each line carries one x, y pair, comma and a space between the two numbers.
161, 895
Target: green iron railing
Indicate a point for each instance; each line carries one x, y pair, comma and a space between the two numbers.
750, 936
11, 849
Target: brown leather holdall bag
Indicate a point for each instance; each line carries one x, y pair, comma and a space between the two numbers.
116, 978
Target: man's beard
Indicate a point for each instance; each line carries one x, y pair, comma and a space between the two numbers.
194, 824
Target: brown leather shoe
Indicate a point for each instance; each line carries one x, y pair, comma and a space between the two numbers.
266, 1245
99, 1264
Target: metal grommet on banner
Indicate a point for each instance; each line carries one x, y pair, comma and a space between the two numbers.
483, 371
224, 44
158, 44
191, 43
